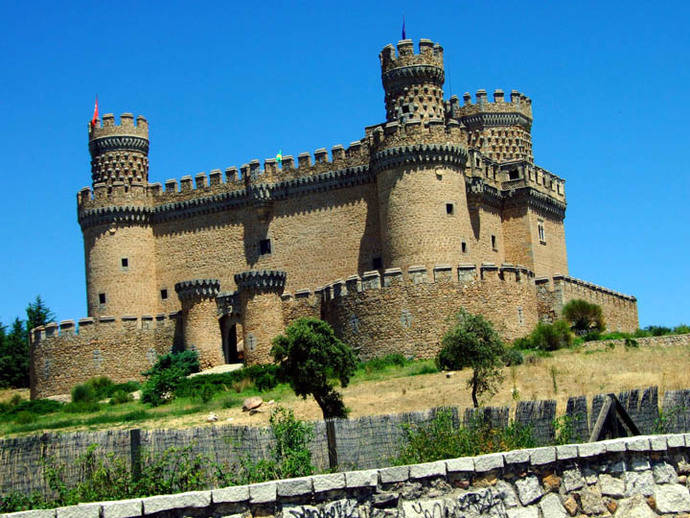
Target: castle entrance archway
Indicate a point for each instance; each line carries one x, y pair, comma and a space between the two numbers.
230, 331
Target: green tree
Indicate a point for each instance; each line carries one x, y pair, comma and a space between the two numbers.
473, 342
38, 314
313, 359
584, 316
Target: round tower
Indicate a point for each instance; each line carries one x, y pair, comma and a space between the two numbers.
500, 129
115, 220
419, 160
200, 327
413, 83
262, 312
119, 153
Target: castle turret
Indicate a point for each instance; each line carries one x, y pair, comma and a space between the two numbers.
119, 153
119, 245
200, 326
500, 128
419, 160
413, 82
262, 312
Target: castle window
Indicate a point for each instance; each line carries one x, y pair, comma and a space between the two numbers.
406, 109
449, 209
463, 247
521, 317
540, 231
377, 263
124, 263
514, 174
264, 247
101, 298
493, 242
164, 294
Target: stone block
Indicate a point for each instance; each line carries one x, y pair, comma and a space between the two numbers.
611, 486
516, 457
615, 445
35, 513
264, 493
639, 483
193, 499
552, 507
591, 502
573, 479
394, 474
639, 463
658, 443
122, 508
229, 495
664, 473
523, 512
489, 462
529, 489
461, 464
506, 493
366, 478
675, 441
635, 507
295, 486
566, 451
79, 511
428, 470
591, 449
672, 498
329, 482
638, 444
424, 508
541, 456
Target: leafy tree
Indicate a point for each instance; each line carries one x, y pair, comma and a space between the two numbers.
312, 359
167, 374
584, 316
472, 342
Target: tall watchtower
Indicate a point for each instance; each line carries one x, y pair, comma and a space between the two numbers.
119, 245
413, 82
119, 153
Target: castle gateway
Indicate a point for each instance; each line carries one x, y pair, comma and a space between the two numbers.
438, 208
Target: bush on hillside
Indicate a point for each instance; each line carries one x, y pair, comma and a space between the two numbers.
167, 374
546, 337
83, 393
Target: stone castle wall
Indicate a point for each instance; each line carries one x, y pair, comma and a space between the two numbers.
119, 348
620, 311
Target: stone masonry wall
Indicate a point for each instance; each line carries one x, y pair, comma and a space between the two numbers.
636, 477
410, 315
120, 348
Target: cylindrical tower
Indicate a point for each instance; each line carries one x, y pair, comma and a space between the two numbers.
413, 82
501, 129
115, 220
200, 326
419, 162
262, 312
119, 153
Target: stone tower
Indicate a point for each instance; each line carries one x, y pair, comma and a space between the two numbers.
418, 159
500, 129
118, 237
413, 82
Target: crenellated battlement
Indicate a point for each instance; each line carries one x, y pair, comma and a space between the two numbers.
518, 103
395, 277
90, 326
107, 126
430, 53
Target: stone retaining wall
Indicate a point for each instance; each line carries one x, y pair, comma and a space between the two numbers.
645, 476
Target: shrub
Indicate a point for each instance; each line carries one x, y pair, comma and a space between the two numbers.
36, 406
472, 342
83, 393
512, 356
239, 379
584, 316
24, 417
82, 407
166, 375
592, 336
120, 396
15, 400
101, 386
442, 439
424, 368
384, 362
551, 337
682, 329
658, 330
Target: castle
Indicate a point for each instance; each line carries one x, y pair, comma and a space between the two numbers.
437, 208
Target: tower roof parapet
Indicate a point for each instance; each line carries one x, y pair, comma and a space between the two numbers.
198, 289
518, 110
264, 280
430, 54
107, 135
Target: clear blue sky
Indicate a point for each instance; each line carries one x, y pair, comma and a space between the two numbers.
222, 84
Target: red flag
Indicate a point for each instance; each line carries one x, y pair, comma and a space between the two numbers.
94, 121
